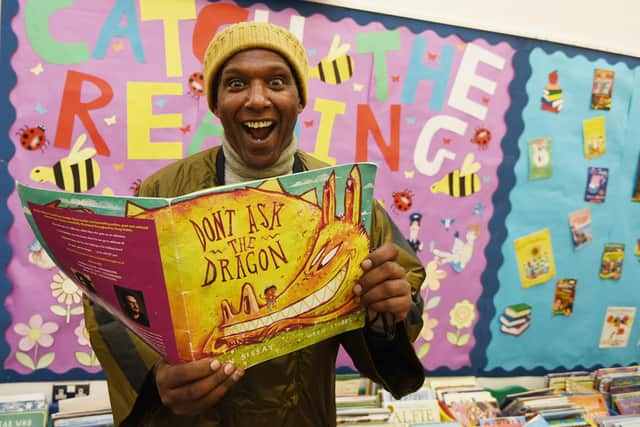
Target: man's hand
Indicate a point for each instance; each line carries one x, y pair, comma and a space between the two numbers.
190, 388
383, 287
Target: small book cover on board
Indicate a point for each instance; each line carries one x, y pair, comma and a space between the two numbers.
534, 255
244, 272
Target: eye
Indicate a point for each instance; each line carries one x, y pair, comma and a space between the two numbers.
276, 82
328, 257
318, 255
235, 84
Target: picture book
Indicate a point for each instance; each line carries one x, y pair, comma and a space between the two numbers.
580, 226
564, 295
593, 404
616, 327
540, 164
469, 413
597, 180
612, 259
244, 272
518, 421
537, 421
594, 137
534, 255
602, 89
414, 411
628, 406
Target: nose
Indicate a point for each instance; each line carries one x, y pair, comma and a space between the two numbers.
258, 96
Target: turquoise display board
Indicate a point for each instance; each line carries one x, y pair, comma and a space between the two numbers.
509, 165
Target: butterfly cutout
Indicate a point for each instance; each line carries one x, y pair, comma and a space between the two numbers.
40, 109
117, 46
118, 166
409, 174
110, 121
186, 129
308, 123
395, 79
432, 56
358, 87
446, 141
38, 69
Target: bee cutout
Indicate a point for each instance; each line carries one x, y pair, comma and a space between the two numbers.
336, 67
460, 182
78, 172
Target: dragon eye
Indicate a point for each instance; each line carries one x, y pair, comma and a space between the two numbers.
328, 257
317, 257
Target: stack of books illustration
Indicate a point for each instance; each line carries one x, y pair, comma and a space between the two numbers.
552, 96
515, 319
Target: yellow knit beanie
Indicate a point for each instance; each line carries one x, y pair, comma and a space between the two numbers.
249, 35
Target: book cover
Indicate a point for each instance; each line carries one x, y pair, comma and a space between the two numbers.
540, 164
594, 136
612, 259
518, 421
635, 197
602, 89
469, 413
563, 298
628, 406
580, 227
534, 255
596, 188
244, 272
593, 404
616, 327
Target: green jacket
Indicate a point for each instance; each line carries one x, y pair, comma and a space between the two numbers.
297, 389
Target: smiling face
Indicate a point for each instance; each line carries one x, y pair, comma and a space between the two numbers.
258, 104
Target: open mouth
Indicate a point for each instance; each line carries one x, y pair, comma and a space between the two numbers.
318, 298
259, 129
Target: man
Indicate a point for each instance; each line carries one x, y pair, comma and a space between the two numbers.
133, 309
256, 84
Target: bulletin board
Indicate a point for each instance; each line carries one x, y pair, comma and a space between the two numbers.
509, 165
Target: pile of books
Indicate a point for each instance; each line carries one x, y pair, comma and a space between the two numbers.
552, 99
29, 409
465, 400
515, 319
620, 387
93, 410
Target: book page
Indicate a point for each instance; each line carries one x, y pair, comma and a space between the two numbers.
113, 258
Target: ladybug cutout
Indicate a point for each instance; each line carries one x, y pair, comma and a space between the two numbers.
402, 200
196, 84
482, 137
33, 138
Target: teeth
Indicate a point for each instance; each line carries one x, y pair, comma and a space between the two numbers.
260, 124
314, 300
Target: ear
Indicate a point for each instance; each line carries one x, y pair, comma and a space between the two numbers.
300, 107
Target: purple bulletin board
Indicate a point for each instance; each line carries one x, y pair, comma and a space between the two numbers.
447, 113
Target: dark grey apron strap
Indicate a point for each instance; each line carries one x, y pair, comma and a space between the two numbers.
115, 335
